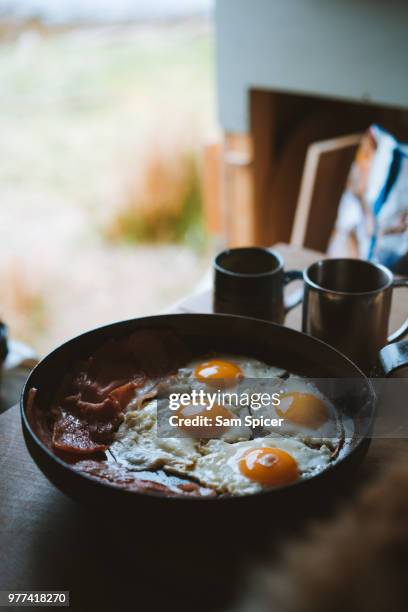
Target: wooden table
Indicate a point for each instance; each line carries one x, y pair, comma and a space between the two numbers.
19, 362
49, 542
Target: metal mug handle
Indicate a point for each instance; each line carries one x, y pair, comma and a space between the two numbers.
403, 330
390, 358
393, 355
297, 297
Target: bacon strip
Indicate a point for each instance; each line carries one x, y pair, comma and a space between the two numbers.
124, 479
89, 405
71, 434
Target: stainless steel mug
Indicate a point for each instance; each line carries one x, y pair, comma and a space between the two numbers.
250, 281
347, 304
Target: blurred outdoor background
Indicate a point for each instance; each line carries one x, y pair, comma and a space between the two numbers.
105, 106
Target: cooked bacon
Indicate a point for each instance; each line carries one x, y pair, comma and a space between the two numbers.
124, 479
105, 410
94, 390
152, 390
102, 432
72, 435
124, 394
87, 419
147, 395
89, 404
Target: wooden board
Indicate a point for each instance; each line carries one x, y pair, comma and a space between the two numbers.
324, 178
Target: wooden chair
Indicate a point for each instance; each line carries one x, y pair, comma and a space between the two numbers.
211, 180
324, 178
326, 165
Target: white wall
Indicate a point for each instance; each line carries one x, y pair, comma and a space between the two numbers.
351, 49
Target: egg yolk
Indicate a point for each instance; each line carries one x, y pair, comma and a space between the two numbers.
208, 428
269, 466
303, 409
217, 372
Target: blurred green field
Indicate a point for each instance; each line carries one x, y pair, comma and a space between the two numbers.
77, 107
82, 115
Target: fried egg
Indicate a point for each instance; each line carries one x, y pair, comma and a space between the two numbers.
238, 468
249, 467
307, 414
231, 375
138, 447
237, 459
303, 411
227, 371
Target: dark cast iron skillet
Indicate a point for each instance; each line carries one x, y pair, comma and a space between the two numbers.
269, 342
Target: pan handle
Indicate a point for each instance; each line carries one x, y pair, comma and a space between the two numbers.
392, 357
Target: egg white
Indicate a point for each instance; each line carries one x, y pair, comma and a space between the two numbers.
215, 463
250, 367
257, 377
219, 466
330, 432
138, 447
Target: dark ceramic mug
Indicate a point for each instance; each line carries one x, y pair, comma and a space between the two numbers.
347, 303
3, 342
3, 345
250, 281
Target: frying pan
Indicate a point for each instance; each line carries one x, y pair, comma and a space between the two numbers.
269, 342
